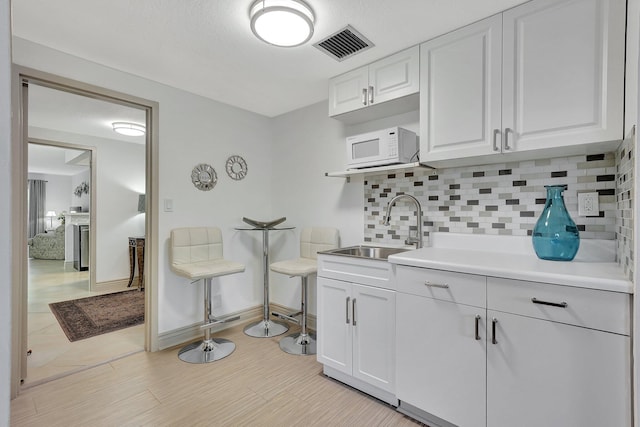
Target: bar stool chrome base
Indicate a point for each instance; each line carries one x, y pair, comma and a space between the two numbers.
265, 329
206, 351
299, 344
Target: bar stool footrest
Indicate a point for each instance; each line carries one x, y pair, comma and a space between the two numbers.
216, 321
288, 317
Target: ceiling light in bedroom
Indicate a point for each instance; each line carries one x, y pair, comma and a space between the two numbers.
129, 129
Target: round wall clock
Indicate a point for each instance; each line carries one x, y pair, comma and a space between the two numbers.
236, 167
204, 177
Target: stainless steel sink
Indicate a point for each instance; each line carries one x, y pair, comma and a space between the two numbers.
370, 252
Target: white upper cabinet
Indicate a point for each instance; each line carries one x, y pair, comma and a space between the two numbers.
560, 84
391, 78
563, 75
631, 72
460, 92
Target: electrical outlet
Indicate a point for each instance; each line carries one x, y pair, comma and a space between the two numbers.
588, 204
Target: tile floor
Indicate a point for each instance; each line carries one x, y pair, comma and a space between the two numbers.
52, 354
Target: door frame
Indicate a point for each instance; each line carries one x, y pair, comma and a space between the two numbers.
21, 76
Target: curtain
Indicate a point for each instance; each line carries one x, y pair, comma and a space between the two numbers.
37, 199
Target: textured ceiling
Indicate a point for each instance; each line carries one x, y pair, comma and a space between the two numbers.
206, 46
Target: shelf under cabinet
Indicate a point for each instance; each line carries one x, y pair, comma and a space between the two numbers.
375, 170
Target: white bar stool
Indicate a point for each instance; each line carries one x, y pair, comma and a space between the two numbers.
196, 253
312, 241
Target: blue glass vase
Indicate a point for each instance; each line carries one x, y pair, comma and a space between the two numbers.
555, 235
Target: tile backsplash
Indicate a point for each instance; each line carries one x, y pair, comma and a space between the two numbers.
624, 199
503, 199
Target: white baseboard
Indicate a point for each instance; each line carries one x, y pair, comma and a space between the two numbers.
186, 334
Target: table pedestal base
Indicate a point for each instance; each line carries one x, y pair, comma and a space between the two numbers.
265, 329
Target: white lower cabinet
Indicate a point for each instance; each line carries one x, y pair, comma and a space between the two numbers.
542, 373
537, 355
441, 366
355, 332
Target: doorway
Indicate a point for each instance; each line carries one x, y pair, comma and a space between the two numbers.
43, 126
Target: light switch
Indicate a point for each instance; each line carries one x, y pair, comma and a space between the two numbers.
588, 204
168, 205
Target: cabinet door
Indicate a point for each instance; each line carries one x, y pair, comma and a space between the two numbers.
543, 373
374, 321
563, 73
346, 91
394, 76
334, 336
631, 71
440, 366
460, 92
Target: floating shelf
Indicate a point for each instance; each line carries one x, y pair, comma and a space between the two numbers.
375, 170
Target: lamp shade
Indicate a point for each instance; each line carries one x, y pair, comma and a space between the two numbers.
285, 23
141, 203
129, 129
51, 213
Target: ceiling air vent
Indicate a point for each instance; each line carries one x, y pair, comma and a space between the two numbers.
344, 44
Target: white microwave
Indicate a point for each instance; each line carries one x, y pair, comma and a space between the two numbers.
382, 147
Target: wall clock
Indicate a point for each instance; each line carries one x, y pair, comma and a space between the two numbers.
204, 177
236, 167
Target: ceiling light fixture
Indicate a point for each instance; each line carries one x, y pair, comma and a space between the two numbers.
285, 23
129, 129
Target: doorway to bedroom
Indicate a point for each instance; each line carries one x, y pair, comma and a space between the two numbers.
85, 199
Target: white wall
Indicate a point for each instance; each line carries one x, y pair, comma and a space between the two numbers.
5, 213
306, 145
192, 130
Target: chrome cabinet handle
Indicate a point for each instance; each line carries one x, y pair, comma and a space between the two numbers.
370, 94
553, 304
507, 131
494, 321
478, 327
436, 285
496, 132
353, 312
364, 96
347, 310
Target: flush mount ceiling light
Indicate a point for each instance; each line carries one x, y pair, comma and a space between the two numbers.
129, 129
285, 23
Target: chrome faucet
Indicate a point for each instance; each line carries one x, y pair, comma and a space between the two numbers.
410, 240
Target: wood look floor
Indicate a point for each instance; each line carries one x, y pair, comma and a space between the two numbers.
257, 385
52, 354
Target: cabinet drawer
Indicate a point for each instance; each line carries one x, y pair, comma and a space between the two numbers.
357, 270
443, 285
589, 308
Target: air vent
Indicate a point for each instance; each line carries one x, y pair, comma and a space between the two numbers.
344, 44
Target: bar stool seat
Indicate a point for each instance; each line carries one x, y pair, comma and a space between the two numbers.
312, 241
196, 253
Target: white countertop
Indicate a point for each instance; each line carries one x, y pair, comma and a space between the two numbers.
514, 258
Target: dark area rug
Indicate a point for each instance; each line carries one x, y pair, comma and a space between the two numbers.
87, 317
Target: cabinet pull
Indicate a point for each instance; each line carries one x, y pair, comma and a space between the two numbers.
553, 304
494, 321
507, 131
436, 285
370, 94
478, 327
496, 132
353, 312
347, 310
364, 96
